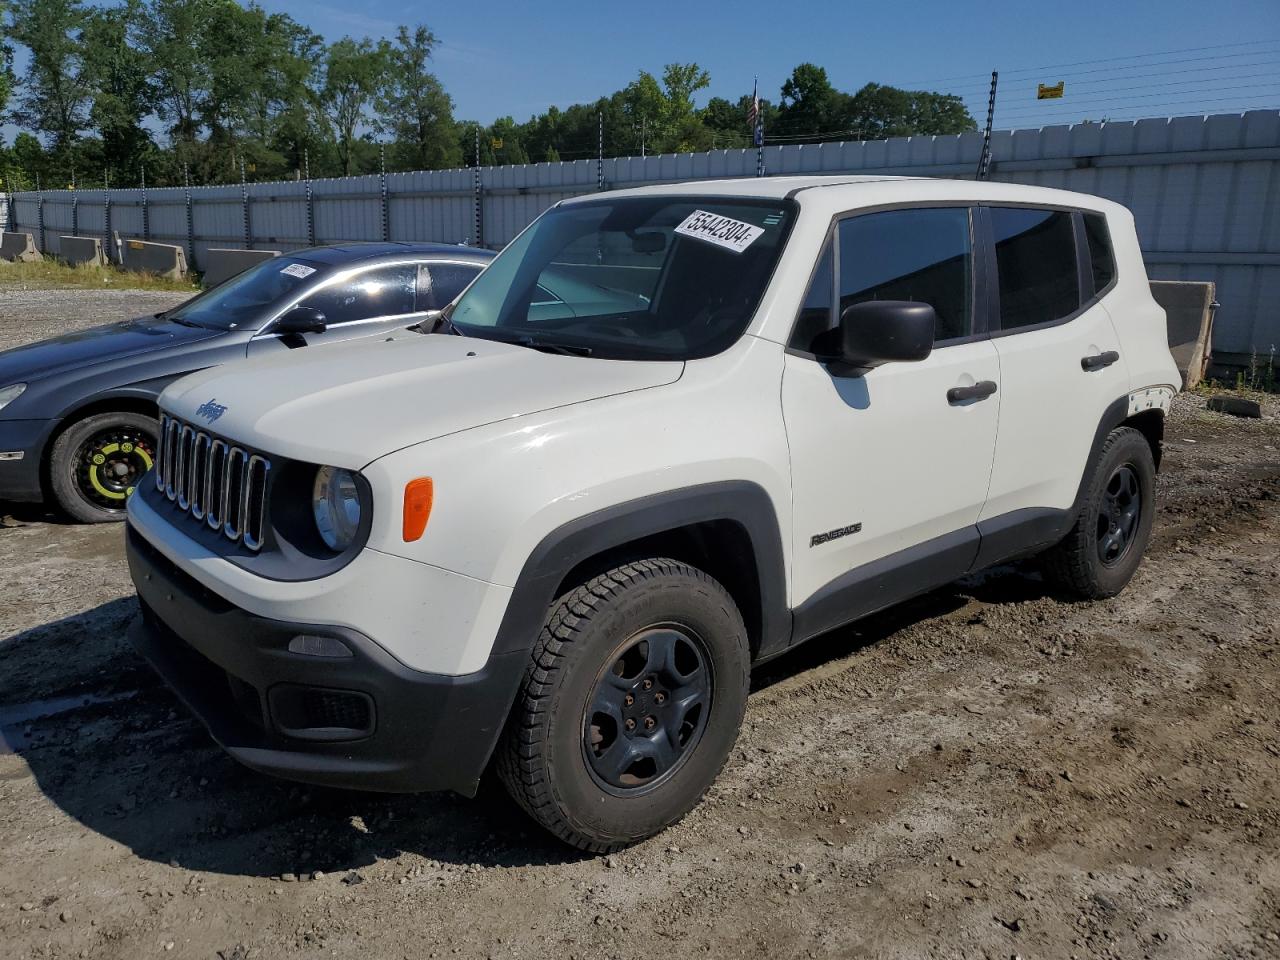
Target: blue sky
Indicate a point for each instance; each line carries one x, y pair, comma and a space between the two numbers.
1154, 58
504, 57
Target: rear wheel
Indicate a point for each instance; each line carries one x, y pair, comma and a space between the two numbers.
630, 705
1101, 553
97, 462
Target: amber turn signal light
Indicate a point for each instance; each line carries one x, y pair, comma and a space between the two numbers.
418, 496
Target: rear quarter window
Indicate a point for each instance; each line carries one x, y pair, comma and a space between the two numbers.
1036, 263
1102, 261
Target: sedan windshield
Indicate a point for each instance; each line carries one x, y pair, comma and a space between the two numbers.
249, 298
649, 278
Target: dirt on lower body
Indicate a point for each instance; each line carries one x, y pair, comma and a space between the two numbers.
988, 771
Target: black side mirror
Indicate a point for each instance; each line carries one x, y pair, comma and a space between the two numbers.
885, 331
300, 320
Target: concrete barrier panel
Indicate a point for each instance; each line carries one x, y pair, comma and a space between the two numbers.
18, 246
223, 264
159, 258
1188, 307
78, 250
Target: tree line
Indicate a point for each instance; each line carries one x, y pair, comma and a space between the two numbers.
212, 90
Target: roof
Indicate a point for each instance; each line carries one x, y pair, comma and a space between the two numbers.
355, 252
847, 192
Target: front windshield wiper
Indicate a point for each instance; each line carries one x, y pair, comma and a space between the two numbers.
547, 346
441, 322
180, 320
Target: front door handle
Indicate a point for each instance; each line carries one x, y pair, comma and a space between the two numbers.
1099, 360
979, 391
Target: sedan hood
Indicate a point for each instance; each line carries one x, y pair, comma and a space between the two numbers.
112, 341
349, 404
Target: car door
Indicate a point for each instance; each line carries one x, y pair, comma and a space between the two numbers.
361, 302
1060, 363
889, 469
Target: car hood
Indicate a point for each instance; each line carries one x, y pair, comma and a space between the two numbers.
349, 404
112, 341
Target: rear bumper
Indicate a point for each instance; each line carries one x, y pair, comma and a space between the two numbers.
21, 452
364, 722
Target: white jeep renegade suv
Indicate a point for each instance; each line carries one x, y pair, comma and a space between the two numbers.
669, 433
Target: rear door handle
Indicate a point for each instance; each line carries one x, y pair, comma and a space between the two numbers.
979, 391
1099, 360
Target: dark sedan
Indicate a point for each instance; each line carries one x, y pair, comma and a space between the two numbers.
78, 413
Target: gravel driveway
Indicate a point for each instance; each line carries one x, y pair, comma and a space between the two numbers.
27, 315
987, 771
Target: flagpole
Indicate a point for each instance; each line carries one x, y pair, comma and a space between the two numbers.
757, 126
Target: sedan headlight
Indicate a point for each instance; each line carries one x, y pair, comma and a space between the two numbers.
336, 505
10, 393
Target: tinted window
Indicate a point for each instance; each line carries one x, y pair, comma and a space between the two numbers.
380, 292
439, 283
1101, 260
815, 319
1036, 260
921, 255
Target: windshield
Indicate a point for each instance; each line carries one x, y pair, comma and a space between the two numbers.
249, 297
651, 278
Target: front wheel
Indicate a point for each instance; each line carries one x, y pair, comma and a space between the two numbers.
96, 463
630, 705
1101, 553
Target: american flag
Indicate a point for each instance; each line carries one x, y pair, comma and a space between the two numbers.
755, 120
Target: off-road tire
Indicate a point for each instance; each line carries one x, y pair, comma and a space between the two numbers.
1076, 564
542, 760
66, 472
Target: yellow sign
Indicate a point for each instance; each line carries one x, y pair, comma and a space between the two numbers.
497, 143
1051, 92
136, 245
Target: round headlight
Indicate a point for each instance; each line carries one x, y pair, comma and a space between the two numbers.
336, 505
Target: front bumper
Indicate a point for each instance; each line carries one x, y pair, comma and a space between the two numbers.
364, 722
21, 452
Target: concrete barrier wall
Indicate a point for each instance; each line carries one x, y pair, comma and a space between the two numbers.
223, 264
159, 258
1189, 307
18, 246
79, 250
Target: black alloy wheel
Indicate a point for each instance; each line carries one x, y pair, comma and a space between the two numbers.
648, 709
1118, 515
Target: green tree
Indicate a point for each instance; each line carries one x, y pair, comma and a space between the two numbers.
727, 122
413, 107
117, 72
810, 105
876, 112
54, 94
351, 75
174, 34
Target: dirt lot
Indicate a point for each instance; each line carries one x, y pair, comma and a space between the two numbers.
986, 772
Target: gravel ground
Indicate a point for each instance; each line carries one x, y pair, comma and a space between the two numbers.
987, 771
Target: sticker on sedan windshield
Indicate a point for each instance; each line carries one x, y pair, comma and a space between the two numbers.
722, 231
299, 270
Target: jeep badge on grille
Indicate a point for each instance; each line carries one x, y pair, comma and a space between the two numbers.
211, 411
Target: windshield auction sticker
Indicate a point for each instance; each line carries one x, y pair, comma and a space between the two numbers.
299, 270
722, 231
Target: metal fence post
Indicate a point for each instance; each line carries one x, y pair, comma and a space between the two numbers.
600, 151
186, 196
146, 218
477, 190
75, 207
106, 224
311, 214
244, 208
382, 191
40, 211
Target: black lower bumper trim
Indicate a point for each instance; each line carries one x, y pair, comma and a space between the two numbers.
428, 731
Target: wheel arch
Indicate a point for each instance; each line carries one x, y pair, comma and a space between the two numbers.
730, 530
115, 403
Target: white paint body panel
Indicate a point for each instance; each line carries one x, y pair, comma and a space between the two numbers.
519, 443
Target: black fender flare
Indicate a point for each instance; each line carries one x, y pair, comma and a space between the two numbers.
559, 552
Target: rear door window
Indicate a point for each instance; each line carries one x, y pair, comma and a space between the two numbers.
439, 283
1036, 263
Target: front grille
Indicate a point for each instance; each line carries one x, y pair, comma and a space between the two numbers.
213, 481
